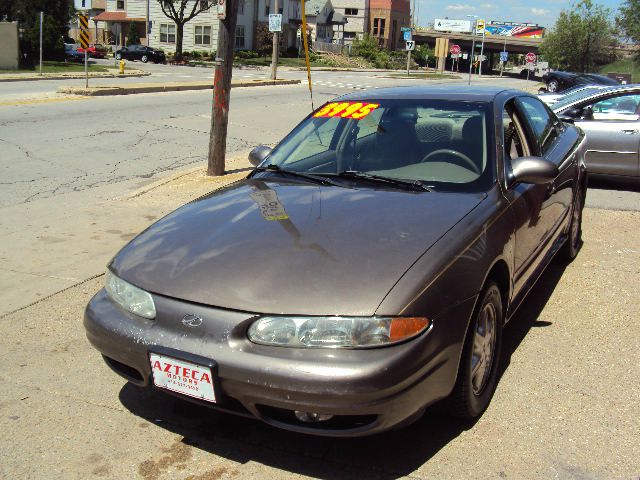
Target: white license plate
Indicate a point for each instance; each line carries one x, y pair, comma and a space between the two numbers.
183, 377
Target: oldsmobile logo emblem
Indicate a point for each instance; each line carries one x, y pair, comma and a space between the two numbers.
191, 320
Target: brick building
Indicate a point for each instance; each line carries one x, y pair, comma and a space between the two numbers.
386, 18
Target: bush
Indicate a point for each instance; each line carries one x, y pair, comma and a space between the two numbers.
291, 52
242, 54
368, 49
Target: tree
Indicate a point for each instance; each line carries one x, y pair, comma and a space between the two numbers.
181, 12
628, 20
57, 15
132, 35
582, 38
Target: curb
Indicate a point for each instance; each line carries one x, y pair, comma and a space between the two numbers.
165, 87
79, 76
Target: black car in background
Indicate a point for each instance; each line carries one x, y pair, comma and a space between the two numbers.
559, 81
142, 53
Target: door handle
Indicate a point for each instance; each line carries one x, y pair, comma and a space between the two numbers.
630, 132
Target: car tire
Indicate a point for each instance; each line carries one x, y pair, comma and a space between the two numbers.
118, 56
480, 360
573, 243
552, 85
144, 59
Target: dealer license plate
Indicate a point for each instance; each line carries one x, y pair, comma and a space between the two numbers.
183, 377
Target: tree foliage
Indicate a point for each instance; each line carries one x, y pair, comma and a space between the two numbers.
181, 12
628, 20
582, 38
133, 38
57, 14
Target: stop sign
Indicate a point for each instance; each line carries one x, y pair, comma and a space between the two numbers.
454, 49
530, 57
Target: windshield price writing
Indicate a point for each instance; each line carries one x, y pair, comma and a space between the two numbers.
355, 110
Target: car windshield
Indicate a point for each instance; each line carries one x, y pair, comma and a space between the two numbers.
440, 144
575, 97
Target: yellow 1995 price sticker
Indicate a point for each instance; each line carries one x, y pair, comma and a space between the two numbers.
355, 110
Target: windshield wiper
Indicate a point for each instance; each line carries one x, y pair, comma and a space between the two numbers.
308, 176
398, 182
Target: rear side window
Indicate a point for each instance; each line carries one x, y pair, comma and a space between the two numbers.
542, 122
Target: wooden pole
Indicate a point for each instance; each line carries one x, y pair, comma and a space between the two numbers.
276, 46
222, 90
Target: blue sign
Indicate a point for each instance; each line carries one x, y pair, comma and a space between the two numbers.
504, 56
407, 36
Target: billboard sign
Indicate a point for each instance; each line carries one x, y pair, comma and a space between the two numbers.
449, 25
514, 29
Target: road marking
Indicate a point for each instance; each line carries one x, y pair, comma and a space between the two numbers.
36, 101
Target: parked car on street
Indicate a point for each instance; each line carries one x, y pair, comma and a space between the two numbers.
558, 81
95, 51
610, 118
72, 54
361, 272
142, 53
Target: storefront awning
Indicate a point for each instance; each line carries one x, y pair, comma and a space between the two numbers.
116, 17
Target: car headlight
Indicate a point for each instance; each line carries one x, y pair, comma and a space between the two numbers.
335, 332
130, 297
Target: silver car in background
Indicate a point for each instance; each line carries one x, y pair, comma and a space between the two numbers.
611, 120
552, 97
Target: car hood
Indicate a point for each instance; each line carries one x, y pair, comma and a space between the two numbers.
281, 247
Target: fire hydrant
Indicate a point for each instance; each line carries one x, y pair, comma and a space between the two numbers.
122, 67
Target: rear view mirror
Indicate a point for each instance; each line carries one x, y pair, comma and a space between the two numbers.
258, 154
536, 170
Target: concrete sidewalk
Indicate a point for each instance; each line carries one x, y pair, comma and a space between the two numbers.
166, 87
111, 73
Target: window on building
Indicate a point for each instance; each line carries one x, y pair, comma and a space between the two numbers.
378, 27
167, 33
239, 36
202, 34
267, 7
120, 4
204, 4
241, 7
351, 11
350, 35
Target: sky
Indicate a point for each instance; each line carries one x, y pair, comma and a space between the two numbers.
542, 12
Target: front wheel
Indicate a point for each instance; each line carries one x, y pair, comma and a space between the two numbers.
552, 85
118, 56
478, 370
144, 59
573, 243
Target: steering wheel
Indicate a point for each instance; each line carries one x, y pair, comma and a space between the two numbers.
454, 153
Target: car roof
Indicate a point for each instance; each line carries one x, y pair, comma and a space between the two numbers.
602, 92
438, 92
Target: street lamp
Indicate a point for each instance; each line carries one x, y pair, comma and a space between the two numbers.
473, 45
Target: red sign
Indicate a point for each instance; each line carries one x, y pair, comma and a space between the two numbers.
454, 49
530, 57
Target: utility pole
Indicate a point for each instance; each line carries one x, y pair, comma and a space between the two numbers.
413, 11
276, 45
146, 26
41, 21
222, 90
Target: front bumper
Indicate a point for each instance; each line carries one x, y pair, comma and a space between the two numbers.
367, 391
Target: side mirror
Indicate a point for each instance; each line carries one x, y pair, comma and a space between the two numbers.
258, 154
564, 119
536, 170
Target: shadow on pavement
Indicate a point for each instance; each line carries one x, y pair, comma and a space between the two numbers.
385, 456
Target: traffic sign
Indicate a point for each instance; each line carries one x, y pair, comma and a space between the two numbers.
405, 29
222, 9
84, 31
530, 57
82, 4
275, 22
504, 56
454, 49
410, 45
406, 35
